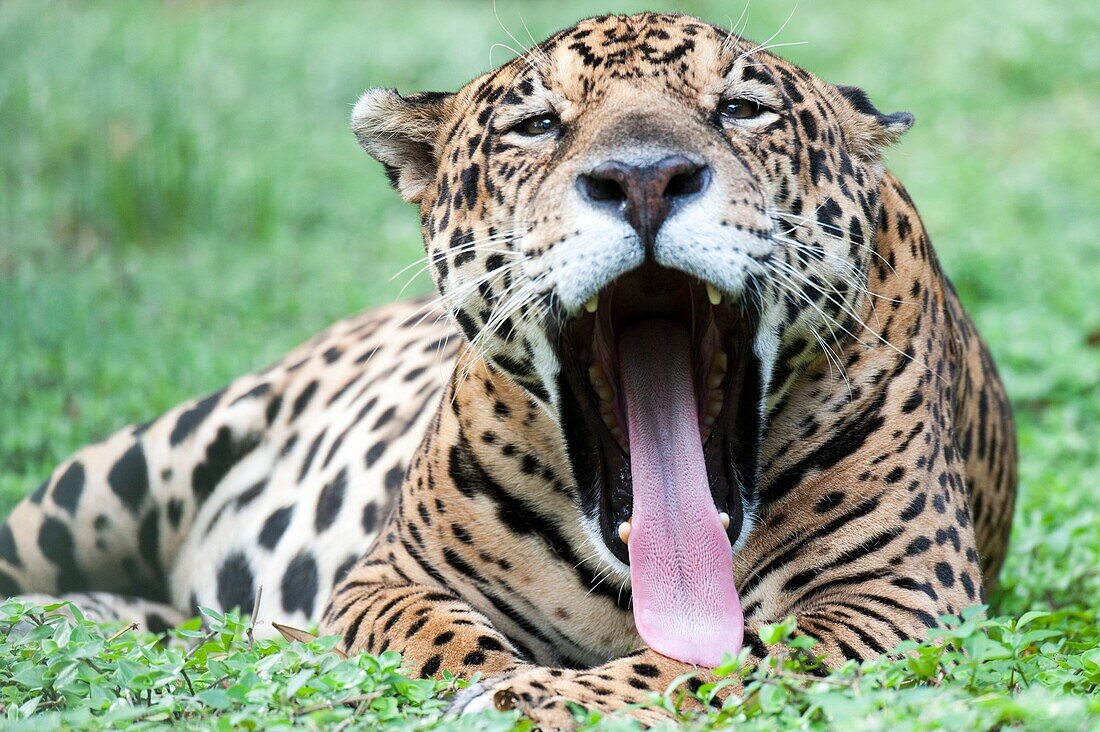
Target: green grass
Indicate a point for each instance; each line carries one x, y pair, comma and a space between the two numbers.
1041, 670
181, 201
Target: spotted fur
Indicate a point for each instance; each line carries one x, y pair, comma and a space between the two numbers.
413, 490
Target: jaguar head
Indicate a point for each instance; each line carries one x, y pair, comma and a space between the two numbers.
651, 225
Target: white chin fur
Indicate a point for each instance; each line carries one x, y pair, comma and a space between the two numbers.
618, 572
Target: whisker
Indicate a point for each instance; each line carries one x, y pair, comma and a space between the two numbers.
856, 281
846, 309
432, 258
828, 320
499, 270
506, 304
807, 223
531, 53
735, 28
771, 38
853, 281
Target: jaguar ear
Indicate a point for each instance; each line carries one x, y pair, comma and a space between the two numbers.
869, 130
401, 133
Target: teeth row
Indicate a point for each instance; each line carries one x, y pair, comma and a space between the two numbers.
624, 527
598, 379
718, 365
713, 295
715, 399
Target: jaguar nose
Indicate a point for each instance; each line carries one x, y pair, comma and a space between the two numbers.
644, 195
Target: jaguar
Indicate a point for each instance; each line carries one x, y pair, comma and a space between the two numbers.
691, 367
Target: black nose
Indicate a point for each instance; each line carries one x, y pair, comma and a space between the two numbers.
645, 194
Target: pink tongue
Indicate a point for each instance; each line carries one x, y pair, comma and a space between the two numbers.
681, 566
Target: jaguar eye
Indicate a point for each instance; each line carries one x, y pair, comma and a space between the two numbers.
538, 125
740, 109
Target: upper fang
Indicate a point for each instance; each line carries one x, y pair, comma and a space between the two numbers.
713, 295
592, 304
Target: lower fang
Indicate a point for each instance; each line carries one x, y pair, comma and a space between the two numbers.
624, 531
725, 519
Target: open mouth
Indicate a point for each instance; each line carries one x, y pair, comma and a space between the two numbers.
661, 413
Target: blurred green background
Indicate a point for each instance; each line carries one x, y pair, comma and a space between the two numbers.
181, 201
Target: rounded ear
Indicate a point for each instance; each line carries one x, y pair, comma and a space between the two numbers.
869, 130
401, 133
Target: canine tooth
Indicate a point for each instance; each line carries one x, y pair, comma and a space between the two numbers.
713, 295
593, 304
725, 519
624, 531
